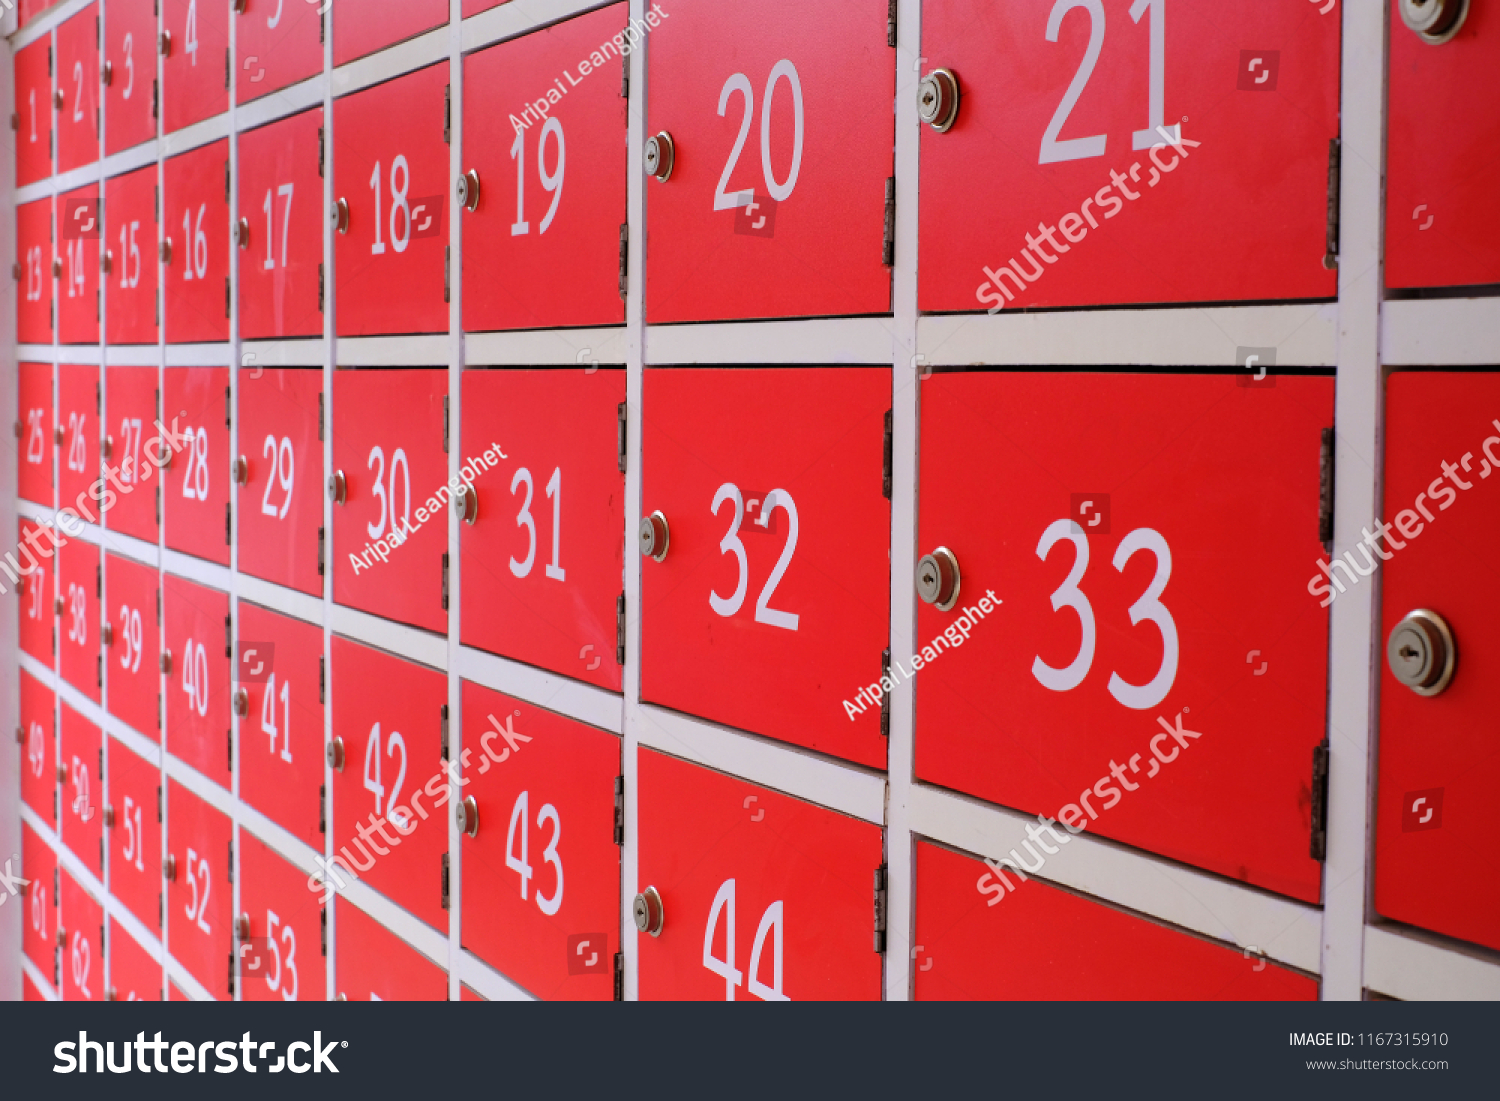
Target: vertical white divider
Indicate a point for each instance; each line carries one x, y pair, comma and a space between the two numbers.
455, 460
330, 360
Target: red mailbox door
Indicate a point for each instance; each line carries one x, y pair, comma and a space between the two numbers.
130, 91
283, 958
34, 112
542, 249
134, 976
1433, 806
195, 488
78, 409
372, 964
78, 81
38, 625
79, 585
391, 171
196, 634
34, 442
129, 269
279, 666
133, 654
82, 805
281, 225
135, 864
277, 43
1441, 228
776, 204
969, 947
543, 559
541, 893
82, 919
81, 225
34, 284
361, 27
131, 406
196, 232
38, 729
1083, 122
738, 461
389, 714
195, 62
390, 531
716, 849
1105, 541
39, 865
281, 501
199, 897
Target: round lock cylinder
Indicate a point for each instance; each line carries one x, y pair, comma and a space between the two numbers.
937, 99
242, 233
107, 265
466, 504
242, 927
107, 632
59, 434
1434, 21
169, 868
240, 471
338, 487
166, 661
656, 536
109, 818
164, 43
1421, 652
335, 754
938, 579
466, 815
57, 98
241, 702
660, 156
62, 774
108, 447
647, 911
164, 250
338, 215
57, 274
467, 190
107, 73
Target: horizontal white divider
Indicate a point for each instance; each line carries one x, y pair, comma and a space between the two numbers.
509, 20
547, 348
40, 670
128, 546
413, 930
43, 983
430, 350
73, 179
128, 160
567, 697
190, 986
34, 353
195, 355
1407, 964
1280, 928
200, 785
847, 788
406, 642
279, 840
484, 980
39, 514
836, 340
414, 53
194, 136
279, 104
89, 355
288, 602
143, 746
1457, 332
1303, 334
282, 353
132, 355
197, 570
42, 24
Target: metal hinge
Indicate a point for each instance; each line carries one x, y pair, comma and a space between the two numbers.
228, 637
320, 309
447, 114
226, 161
227, 524
99, 581
155, 98
619, 810
323, 930
1331, 255
226, 70
624, 78
1318, 849
322, 25
49, 60
619, 976
445, 881
447, 257
887, 463
620, 430
443, 732
322, 539
1325, 490
98, 399
229, 744
885, 699
161, 909
620, 630
231, 860
320, 152
228, 406
890, 23
100, 670
320, 394
231, 975
158, 607
158, 802
445, 581
322, 808
158, 506
226, 298
322, 679
888, 244
445, 424
101, 762
880, 909
624, 259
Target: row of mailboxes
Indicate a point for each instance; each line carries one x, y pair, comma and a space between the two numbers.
1187, 127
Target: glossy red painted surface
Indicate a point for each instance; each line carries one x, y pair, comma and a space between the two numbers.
195, 218
280, 208
34, 454
195, 72
79, 578
132, 660
38, 722
280, 506
33, 107
80, 225
39, 934
195, 488
283, 960
132, 478
83, 955
199, 900
78, 410
78, 79
37, 620
34, 287
196, 633
135, 839
130, 248
276, 43
131, 96
373, 964
82, 800
361, 27
133, 974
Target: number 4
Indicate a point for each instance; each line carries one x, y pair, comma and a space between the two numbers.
770, 922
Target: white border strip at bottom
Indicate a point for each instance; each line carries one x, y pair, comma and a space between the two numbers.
1404, 965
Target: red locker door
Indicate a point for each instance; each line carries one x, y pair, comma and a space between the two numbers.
133, 653
129, 74
541, 896
195, 232
737, 461
1441, 227
1083, 122
279, 668
195, 488
1119, 639
391, 183
388, 716
196, 635
199, 889
38, 729
361, 27
1048, 944
34, 441
34, 112
715, 848
34, 281
195, 61
81, 225
281, 497
372, 964
280, 225
134, 976
775, 201
135, 864
82, 919
543, 557
79, 578
78, 88
82, 803
130, 503
539, 249
39, 865
283, 958
1433, 828
474, 7
277, 43
38, 625
129, 269
78, 410
31, 992
390, 534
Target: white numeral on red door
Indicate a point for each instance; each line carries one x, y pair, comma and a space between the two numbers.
519, 865
730, 544
76, 442
524, 520
739, 82
195, 474
268, 717
372, 774
78, 621
197, 872
134, 838
195, 676
551, 183
80, 804
195, 262
283, 473
269, 207
398, 204
81, 963
35, 447
387, 493
36, 748
130, 634
288, 989
770, 921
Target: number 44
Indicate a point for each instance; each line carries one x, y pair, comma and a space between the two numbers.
770, 921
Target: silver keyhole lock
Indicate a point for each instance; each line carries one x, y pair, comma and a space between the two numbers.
1421, 652
938, 579
335, 754
467, 190
164, 250
242, 233
937, 99
338, 215
1434, 21
338, 487
239, 471
466, 504
648, 913
466, 814
656, 536
660, 156
241, 702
